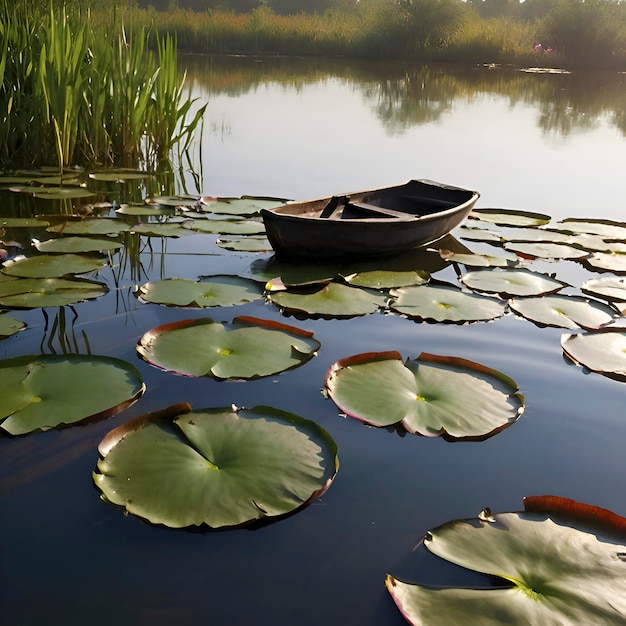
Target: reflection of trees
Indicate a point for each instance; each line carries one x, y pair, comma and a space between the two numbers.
405, 95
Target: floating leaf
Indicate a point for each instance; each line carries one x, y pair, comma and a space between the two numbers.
221, 467
245, 244
480, 234
91, 226
246, 348
162, 230
607, 261
22, 222
60, 193
387, 279
30, 293
144, 210
206, 292
609, 288
545, 250
329, 300
77, 244
9, 326
230, 227
511, 282
601, 351
564, 311
444, 303
174, 201
477, 260
510, 217
119, 175
559, 561
606, 229
431, 395
52, 266
292, 274
246, 205
38, 392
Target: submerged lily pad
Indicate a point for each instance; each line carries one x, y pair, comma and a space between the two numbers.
601, 351
77, 244
9, 326
222, 467
511, 282
431, 395
30, 293
206, 292
510, 217
246, 348
444, 303
559, 562
52, 266
292, 273
564, 311
39, 392
329, 300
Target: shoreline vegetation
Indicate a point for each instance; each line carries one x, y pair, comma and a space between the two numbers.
97, 83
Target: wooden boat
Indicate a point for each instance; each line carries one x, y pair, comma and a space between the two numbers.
368, 223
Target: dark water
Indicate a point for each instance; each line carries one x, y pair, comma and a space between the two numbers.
300, 129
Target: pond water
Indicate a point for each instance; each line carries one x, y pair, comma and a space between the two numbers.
299, 129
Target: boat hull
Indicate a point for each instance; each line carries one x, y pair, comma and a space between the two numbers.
431, 212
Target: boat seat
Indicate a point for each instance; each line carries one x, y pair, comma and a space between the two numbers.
382, 211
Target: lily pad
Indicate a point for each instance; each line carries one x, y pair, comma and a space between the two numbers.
246, 205
39, 392
91, 226
477, 260
144, 210
601, 351
511, 282
77, 244
31, 293
52, 266
22, 222
292, 274
118, 175
607, 229
208, 291
545, 250
9, 326
162, 230
444, 303
331, 300
230, 227
245, 244
246, 348
607, 262
387, 279
609, 288
559, 562
564, 311
220, 467
510, 217
431, 395
174, 201
480, 234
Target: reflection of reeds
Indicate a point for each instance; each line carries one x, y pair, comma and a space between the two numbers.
63, 332
73, 89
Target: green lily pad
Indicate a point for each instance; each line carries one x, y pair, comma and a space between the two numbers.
331, 300
601, 351
431, 395
30, 293
22, 222
292, 274
511, 282
144, 210
559, 562
9, 326
91, 226
39, 392
246, 348
118, 175
510, 217
245, 244
444, 303
206, 292
477, 260
162, 230
52, 266
174, 201
545, 250
230, 227
609, 288
78, 244
246, 205
220, 467
564, 311
57, 193
387, 279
